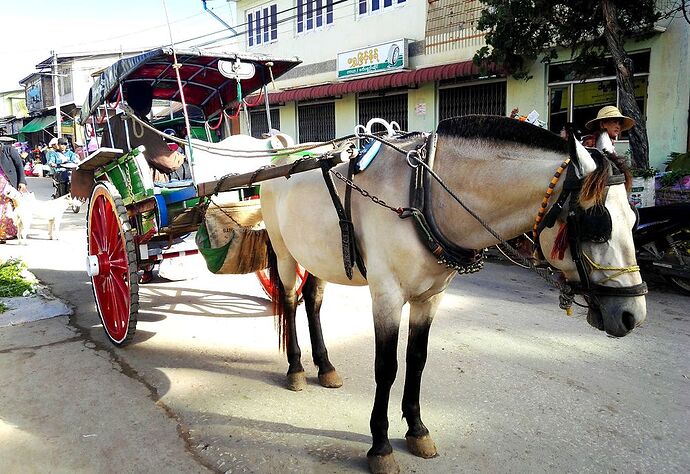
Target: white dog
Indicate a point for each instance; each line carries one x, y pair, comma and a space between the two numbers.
29, 208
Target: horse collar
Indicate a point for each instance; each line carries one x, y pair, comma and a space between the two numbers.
446, 252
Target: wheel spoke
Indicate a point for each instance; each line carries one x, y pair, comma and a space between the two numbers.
97, 225
122, 296
114, 317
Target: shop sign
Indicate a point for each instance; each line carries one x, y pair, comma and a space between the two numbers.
34, 95
374, 59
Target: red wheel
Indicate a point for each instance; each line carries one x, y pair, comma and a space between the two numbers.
112, 264
270, 290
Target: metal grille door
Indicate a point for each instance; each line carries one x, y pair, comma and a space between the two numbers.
483, 99
259, 123
316, 122
390, 108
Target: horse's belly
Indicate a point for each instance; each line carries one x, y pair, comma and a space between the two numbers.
309, 228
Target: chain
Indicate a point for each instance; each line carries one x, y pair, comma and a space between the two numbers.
365, 193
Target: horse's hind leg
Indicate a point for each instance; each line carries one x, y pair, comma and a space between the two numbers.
313, 296
422, 314
282, 271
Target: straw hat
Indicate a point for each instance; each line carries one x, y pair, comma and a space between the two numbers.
611, 112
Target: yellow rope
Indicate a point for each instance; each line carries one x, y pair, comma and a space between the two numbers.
620, 270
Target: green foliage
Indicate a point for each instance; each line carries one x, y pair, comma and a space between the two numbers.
643, 172
678, 161
520, 31
12, 282
672, 177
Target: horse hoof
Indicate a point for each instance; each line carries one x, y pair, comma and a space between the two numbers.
296, 381
330, 379
423, 447
383, 464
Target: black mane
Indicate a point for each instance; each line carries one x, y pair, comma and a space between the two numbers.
497, 127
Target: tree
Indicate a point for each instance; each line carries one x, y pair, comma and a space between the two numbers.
520, 31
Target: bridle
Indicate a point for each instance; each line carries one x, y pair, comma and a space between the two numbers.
584, 225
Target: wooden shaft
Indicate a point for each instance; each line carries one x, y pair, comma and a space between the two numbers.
247, 179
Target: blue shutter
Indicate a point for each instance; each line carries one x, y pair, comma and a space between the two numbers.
274, 22
387, 3
319, 13
329, 12
257, 26
310, 14
250, 31
265, 28
300, 16
363, 6
375, 5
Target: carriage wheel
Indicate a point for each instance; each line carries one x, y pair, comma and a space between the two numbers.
112, 263
270, 290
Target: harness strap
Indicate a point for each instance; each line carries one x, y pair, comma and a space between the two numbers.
449, 254
347, 230
547, 197
351, 169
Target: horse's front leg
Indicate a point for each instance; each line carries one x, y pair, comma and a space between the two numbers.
313, 296
386, 327
422, 314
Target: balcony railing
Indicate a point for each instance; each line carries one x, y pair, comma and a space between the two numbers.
452, 24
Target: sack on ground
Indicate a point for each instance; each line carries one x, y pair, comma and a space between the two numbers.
232, 238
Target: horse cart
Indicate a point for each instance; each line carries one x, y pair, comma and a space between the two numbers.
138, 206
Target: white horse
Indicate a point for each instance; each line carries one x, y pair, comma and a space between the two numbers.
500, 168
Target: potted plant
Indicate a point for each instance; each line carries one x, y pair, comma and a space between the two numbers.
642, 190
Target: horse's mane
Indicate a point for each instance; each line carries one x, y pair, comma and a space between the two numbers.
496, 127
593, 190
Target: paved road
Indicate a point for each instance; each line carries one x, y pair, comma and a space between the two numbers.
511, 385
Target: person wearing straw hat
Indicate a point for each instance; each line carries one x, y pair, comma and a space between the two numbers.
608, 124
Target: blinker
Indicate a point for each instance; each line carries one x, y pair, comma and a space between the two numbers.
594, 224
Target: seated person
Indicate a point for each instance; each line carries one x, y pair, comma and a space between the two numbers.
139, 96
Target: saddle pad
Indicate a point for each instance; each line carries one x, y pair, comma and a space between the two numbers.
367, 154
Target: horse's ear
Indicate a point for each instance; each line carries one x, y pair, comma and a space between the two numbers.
579, 156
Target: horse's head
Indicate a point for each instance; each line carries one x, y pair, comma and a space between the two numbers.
591, 242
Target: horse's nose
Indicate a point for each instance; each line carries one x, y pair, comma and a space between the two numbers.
628, 320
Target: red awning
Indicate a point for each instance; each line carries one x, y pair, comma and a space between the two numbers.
386, 81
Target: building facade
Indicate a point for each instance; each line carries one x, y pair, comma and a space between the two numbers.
74, 79
12, 111
411, 61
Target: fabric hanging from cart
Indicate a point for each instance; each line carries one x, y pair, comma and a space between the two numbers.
232, 239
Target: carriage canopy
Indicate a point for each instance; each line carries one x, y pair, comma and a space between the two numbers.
207, 77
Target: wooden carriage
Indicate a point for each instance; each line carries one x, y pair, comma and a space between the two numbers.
133, 218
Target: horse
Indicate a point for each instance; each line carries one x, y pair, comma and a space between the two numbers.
500, 169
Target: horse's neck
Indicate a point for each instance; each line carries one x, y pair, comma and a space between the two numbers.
503, 183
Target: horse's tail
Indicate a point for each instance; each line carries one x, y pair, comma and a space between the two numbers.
277, 297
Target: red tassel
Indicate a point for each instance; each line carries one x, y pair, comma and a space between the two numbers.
560, 244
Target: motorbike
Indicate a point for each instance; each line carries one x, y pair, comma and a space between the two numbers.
662, 243
62, 180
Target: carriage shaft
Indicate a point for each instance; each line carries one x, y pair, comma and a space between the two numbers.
228, 183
